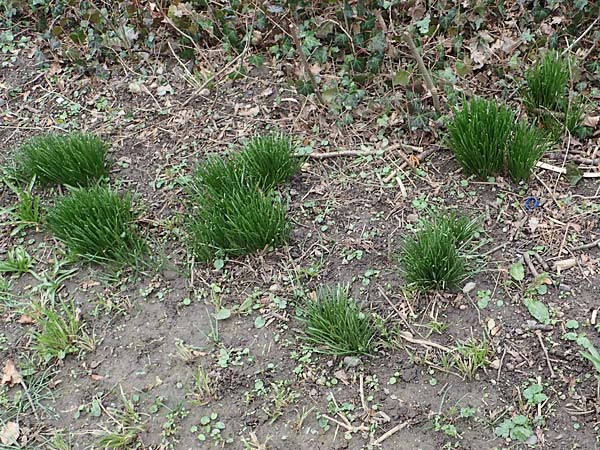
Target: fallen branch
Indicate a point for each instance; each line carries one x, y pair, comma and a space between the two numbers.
596, 243
390, 432
424, 72
311, 76
407, 337
562, 170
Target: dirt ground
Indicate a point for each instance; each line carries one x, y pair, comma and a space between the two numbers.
150, 331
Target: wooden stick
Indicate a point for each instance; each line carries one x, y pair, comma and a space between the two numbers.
424, 72
539, 335
423, 342
596, 243
327, 155
587, 30
391, 148
311, 76
562, 170
420, 157
390, 432
530, 265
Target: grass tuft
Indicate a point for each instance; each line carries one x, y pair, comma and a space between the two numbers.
237, 221
486, 139
432, 259
237, 211
18, 260
478, 136
74, 159
527, 146
546, 93
269, 160
335, 324
97, 224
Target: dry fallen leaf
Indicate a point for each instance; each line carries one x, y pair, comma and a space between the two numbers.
591, 121
250, 112
25, 320
9, 434
10, 374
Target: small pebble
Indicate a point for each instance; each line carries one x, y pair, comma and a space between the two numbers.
352, 361
564, 287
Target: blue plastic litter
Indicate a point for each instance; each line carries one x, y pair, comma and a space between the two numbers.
531, 203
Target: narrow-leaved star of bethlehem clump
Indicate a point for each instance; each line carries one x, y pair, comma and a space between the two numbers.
546, 93
269, 160
97, 224
236, 210
434, 258
486, 139
73, 159
335, 324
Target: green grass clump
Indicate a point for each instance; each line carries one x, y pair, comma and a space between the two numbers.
478, 136
335, 324
527, 146
97, 224
546, 93
237, 211
237, 221
269, 160
74, 159
433, 258
486, 139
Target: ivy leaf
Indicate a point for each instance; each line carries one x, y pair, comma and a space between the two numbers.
423, 24
401, 78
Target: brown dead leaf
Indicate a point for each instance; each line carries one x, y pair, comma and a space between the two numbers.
25, 320
9, 434
10, 374
250, 112
591, 121
480, 53
96, 377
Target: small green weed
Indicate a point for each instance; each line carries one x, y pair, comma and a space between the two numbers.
60, 331
128, 425
97, 224
432, 259
546, 93
335, 324
74, 159
517, 427
269, 160
26, 212
18, 260
470, 356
